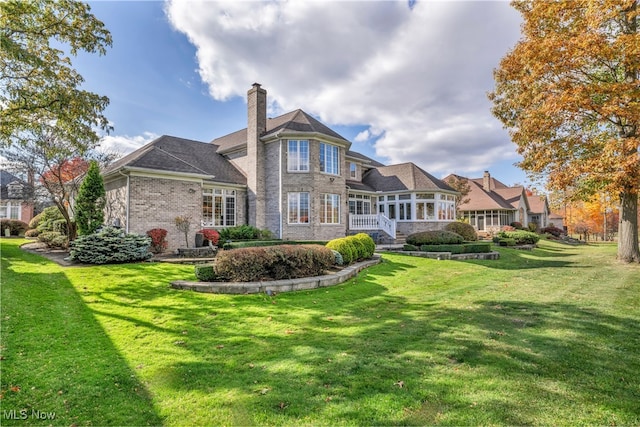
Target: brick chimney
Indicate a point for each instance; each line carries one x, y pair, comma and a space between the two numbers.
256, 127
486, 181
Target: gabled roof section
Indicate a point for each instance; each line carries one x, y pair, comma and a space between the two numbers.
403, 177
538, 204
500, 197
368, 161
294, 122
179, 155
7, 178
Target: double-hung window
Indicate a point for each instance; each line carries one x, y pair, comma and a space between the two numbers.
329, 208
329, 159
298, 155
298, 207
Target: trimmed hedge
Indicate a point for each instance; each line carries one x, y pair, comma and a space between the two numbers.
205, 273
465, 248
353, 248
521, 237
273, 262
434, 237
110, 245
464, 229
15, 226
53, 239
258, 243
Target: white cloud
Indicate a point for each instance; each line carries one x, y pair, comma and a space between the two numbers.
124, 144
418, 77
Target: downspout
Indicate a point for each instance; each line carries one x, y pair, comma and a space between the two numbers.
126, 215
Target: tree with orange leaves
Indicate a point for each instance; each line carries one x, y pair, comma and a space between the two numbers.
569, 93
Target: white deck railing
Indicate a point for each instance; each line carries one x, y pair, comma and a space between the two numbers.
373, 222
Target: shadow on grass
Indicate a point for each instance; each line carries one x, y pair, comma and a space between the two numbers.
380, 360
57, 359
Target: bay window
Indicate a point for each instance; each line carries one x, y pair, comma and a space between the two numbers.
329, 208
298, 155
298, 208
329, 159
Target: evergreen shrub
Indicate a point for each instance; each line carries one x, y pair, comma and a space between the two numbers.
205, 272
337, 258
434, 237
346, 249
110, 245
35, 221
31, 233
521, 237
369, 244
15, 226
464, 229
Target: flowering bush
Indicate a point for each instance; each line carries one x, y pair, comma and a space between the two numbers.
211, 235
158, 239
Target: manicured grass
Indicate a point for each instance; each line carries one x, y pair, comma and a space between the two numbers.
547, 337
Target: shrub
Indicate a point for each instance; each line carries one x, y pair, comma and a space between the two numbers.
53, 239
553, 230
211, 235
346, 249
360, 249
369, 244
507, 242
35, 221
410, 248
434, 237
465, 248
31, 233
110, 245
15, 226
337, 258
158, 240
517, 225
276, 262
205, 272
60, 225
521, 237
48, 217
240, 232
533, 227
464, 229
255, 243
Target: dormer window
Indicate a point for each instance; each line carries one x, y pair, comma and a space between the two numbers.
298, 155
329, 159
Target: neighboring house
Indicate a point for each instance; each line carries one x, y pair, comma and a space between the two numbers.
291, 174
491, 205
15, 198
539, 212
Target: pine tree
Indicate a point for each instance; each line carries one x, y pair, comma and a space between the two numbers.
90, 202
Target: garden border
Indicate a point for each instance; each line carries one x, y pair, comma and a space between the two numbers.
277, 286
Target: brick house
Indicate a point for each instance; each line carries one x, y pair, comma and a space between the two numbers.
15, 198
492, 204
291, 174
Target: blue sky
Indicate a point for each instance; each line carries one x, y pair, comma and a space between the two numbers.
403, 80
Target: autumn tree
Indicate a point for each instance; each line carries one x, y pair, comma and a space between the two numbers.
37, 82
461, 185
90, 202
568, 93
56, 166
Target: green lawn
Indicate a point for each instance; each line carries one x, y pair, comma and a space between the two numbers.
547, 337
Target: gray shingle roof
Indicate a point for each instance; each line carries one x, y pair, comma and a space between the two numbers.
296, 121
172, 154
403, 177
7, 178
